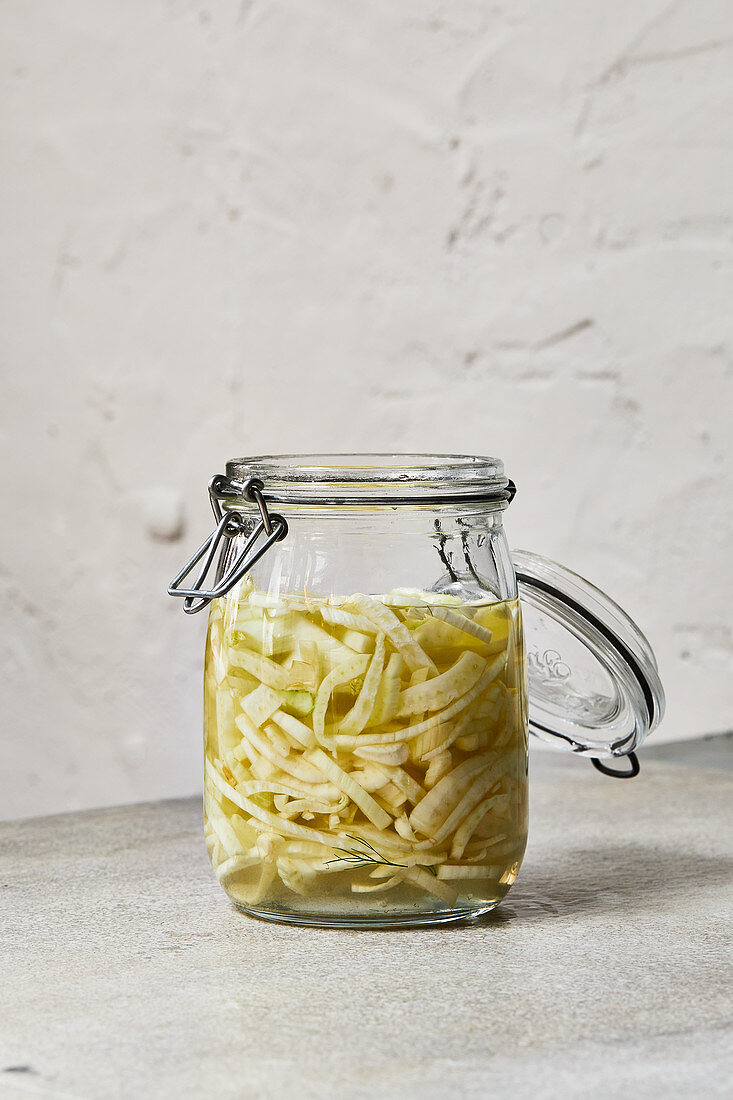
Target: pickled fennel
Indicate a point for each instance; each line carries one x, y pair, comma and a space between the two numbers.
364, 750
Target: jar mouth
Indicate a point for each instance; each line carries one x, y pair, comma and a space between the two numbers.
374, 478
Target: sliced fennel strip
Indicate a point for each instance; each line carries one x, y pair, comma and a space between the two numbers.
440, 691
439, 803
398, 634
412, 731
461, 622
274, 821
358, 716
342, 674
350, 787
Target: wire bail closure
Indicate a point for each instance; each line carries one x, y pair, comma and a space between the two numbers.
605, 769
229, 524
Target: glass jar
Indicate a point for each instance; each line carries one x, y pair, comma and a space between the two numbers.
366, 703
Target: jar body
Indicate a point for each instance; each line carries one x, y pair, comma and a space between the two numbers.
366, 720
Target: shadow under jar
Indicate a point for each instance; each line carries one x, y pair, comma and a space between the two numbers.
365, 689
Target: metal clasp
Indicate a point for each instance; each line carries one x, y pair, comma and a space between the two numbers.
228, 525
605, 769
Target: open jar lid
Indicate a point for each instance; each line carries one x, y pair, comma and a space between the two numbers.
593, 680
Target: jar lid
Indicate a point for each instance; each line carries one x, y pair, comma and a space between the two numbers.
593, 680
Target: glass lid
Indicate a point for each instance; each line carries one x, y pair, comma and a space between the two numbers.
593, 680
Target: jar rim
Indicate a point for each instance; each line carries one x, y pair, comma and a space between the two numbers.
374, 478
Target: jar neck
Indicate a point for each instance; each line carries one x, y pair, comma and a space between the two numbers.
375, 550
375, 480
488, 513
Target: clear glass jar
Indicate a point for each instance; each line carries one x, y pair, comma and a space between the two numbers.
365, 688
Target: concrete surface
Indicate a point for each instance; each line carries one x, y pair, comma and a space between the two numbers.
606, 973
714, 751
303, 225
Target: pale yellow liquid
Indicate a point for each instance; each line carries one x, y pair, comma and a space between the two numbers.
414, 867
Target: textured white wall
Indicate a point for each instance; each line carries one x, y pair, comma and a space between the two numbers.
251, 226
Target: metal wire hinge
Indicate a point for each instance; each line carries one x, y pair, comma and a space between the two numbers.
606, 769
229, 524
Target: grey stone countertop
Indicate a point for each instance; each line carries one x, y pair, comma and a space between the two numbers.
605, 973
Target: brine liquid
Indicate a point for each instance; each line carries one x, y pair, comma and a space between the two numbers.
366, 756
